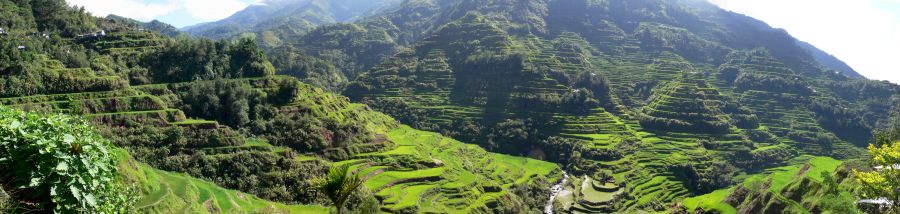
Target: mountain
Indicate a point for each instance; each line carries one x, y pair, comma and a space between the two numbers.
288, 16
114, 118
155, 25
651, 101
440, 106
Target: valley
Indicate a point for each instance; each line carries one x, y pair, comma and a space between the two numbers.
435, 106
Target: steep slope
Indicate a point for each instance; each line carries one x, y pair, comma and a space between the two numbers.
816, 185
212, 114
139, 118
703, 93
100, 176
168, 192
646, 103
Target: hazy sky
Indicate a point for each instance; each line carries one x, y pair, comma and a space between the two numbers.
179, 13
863, 33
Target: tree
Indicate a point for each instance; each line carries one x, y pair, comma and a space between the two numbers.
884, 182
339, 185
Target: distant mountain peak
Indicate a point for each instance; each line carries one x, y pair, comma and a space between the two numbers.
304, 14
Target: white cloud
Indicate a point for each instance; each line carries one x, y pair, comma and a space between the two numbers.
859, 32
212, 10
129, 8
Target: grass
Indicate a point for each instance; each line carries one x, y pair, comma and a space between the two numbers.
382, 180
780, 177
193, 122
466, 172
413, 195
711, 201
167, 192
590, 194
455, 180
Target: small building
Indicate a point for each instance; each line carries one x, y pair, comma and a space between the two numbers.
878, 205
39, 34
882, 168
21, 47
2, 32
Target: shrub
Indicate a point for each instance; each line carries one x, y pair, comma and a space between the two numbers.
59, 163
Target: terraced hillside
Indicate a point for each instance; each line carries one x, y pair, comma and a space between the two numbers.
167, 192
665, 99
648, 106
211, 130
809, 186
387, 162
427, 172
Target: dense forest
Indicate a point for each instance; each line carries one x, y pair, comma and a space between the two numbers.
435, 106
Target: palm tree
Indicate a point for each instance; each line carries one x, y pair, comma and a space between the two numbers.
339, 185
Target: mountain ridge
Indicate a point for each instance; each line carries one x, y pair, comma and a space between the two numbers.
215, 118
643, 105
274, 14
830, 60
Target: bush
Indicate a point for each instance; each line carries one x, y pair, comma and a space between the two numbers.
60, 163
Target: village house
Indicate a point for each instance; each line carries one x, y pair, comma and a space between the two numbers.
39, 34
91, 35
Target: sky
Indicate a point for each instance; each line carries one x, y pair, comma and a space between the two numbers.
863, 33
179, 13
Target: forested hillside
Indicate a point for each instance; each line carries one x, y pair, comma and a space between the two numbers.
652, 101
613, 106
179, 120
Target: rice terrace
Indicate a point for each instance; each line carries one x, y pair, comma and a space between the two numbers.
449, 106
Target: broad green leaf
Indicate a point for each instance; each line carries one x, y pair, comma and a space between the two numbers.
62, 166
35, 182
89, 198
68, 138
75, 192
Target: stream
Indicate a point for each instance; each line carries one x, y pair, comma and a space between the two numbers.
554, 191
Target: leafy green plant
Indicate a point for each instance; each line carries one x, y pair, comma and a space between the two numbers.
6, 203
339, 185
60, 163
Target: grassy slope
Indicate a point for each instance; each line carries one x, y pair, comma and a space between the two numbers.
780, 177
165, 192
456, 178
168, 192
